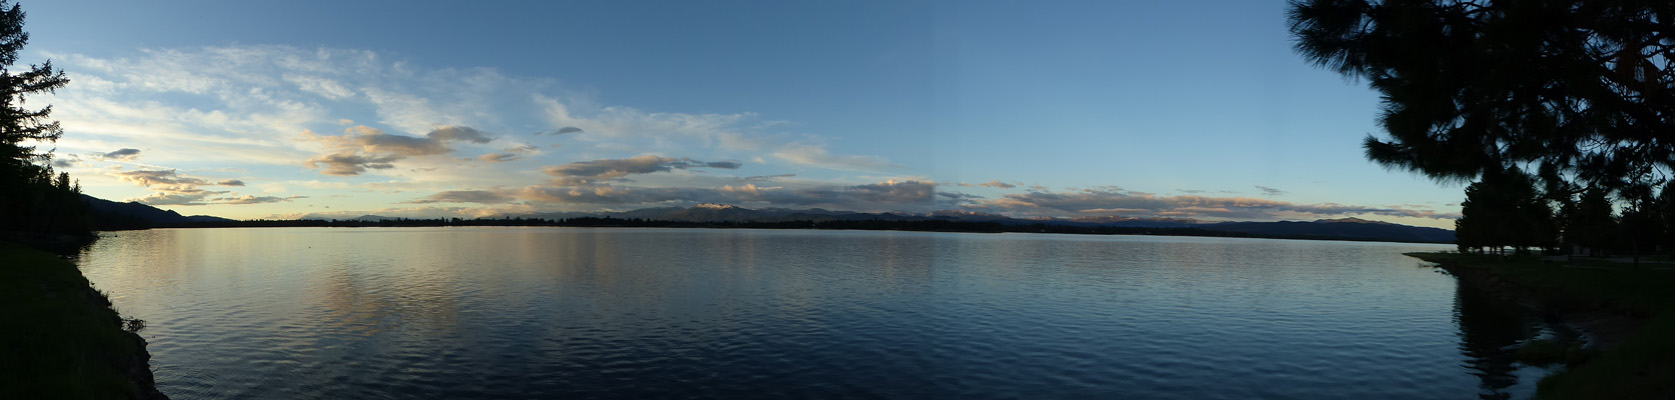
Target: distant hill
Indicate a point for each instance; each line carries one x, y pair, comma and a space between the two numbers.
130, 215
1346, 228
1341, 229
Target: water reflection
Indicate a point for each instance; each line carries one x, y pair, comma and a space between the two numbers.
661, 313
1491, 328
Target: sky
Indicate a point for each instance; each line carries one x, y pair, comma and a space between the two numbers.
422, 109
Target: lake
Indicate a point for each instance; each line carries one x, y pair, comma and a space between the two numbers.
512, 313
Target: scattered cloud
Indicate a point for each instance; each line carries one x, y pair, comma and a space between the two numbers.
458, 133
1268, 191
121, 154
466, 196
159, 177
360, 147
66, 161
239, 105
997, 184
1109, 200
582, 172
350, 163
763, 178
172, 188
250, 199
560, 131
498, 157
174, 199
882, 196
817, 156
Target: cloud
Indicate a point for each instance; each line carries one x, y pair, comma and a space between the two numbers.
763, 178
524, 149
882, 196
466, 196
361, 147
250, 199
328, 88
606, 169
174, 199
240, 105
997, 184
173, 188
1268, 191
66, 161
723, 164
895, 191
394, 212
817, 156
1108, 200
458, 133
497, 157
350, 163
121, 154
159, 177
560, 131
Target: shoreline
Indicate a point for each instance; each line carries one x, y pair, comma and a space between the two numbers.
66, 339
1622, 314
1601, 326
1230, 235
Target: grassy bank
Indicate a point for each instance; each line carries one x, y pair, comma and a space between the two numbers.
1641, 365
59, 339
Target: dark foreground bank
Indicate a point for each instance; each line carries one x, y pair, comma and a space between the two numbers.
61, 339
1627, 312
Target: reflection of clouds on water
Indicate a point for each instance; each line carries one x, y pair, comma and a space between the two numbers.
562, 312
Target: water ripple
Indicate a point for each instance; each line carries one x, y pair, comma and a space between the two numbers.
508, 313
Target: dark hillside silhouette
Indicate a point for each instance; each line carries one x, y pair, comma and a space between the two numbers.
110, 215
115, 216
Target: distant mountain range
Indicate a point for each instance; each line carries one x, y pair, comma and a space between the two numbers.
1340, 229
131, 215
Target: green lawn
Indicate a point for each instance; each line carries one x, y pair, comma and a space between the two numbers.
1640, 367
58, 339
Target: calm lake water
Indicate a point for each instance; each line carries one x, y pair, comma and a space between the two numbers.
506, 313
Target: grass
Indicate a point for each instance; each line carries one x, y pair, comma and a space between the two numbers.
1547, 352
59, 339
1642, 366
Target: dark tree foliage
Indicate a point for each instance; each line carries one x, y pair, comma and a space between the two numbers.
34, 198
1580, 89
1664, 216
1505, 209
1591, 224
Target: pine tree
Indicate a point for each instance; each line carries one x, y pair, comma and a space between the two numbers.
32, 197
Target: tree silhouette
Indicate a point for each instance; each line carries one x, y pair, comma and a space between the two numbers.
1505, 209
1580, 89
1591, 224
20, 126
34, 199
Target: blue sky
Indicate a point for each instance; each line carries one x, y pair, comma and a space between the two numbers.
1145, 109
